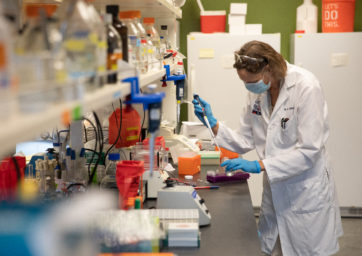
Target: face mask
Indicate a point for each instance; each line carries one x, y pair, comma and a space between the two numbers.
258, 87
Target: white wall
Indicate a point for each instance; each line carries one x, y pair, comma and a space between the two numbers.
342, 86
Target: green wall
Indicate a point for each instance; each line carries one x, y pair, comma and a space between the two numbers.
275, 15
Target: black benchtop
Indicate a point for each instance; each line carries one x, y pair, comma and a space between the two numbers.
233, 229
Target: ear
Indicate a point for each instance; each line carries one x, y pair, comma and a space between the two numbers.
267, 68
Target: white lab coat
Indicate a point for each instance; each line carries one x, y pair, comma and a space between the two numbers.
299, 201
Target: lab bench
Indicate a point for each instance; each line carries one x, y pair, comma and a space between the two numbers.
233, 227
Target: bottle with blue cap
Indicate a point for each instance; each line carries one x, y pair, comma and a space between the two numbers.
109, 181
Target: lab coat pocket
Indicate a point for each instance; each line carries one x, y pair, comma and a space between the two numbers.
288, 130
310, 196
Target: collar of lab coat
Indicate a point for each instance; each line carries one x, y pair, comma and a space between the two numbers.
289, 81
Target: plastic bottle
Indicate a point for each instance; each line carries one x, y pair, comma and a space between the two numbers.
34, 61
5, 70
134, 39
145, 42
164, 37
121, 29
114, 50
81, 51
156, 57
179, 68
109, 181
100, 41
307, 17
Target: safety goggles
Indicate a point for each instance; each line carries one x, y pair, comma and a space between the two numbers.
251, 64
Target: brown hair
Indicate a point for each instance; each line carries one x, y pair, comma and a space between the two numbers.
267, 54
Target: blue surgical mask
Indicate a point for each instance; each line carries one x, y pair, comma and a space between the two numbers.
258, 87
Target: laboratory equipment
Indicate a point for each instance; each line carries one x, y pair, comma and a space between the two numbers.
81, 52
175, 215
183, 197
100, 40
129, 182
152, 102
206, 187
183, 235
145, 42
214, 177
34, 60
109, 181
173, 140
210, 157
196, 97
165, 42
134, 39
121, 29
179, 81
154, 182
114, 50
152, 33
127, 231
131, 126
11, 173
307, 17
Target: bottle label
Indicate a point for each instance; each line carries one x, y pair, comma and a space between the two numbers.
76, 45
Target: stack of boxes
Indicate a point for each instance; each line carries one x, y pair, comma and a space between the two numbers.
237, 24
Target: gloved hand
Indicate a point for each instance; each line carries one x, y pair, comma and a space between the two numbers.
200, 114
242, 164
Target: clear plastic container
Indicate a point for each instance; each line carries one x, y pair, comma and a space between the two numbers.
109, 181
114, 50
100, 41
79, 43
165, 42
180, 68
164, 158
145, 42
35, 61
134, 39
156, 57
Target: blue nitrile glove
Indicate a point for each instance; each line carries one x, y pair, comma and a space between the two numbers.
200, 114
242, 164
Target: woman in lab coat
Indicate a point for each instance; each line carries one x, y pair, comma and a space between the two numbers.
285, 121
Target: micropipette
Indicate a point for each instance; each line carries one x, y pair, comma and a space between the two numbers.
196, 97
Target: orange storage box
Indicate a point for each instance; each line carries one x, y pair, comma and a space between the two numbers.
189, 163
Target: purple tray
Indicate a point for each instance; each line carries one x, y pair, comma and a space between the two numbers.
222, 177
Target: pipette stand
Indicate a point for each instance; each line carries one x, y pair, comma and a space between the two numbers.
179, 81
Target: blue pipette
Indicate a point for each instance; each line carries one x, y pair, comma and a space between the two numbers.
196, 97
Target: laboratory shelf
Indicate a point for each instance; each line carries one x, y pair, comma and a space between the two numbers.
155, 8
22, 127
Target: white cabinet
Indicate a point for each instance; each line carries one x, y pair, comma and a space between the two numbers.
336, 60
